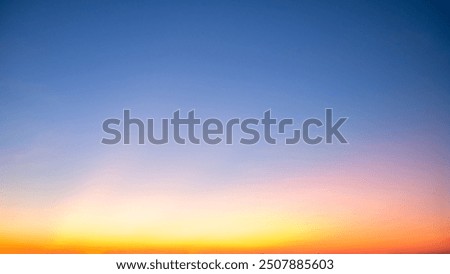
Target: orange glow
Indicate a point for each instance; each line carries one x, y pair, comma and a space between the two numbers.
284, 217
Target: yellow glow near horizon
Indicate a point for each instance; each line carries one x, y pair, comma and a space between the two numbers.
280, 217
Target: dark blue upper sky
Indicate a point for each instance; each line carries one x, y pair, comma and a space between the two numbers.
67, 66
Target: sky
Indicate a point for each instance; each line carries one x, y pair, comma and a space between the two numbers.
66, 67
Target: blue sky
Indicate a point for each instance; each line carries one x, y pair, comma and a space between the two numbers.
65, 67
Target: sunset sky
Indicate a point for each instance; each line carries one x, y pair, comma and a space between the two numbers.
66, 67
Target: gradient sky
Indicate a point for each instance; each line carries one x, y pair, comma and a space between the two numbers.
66, 67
